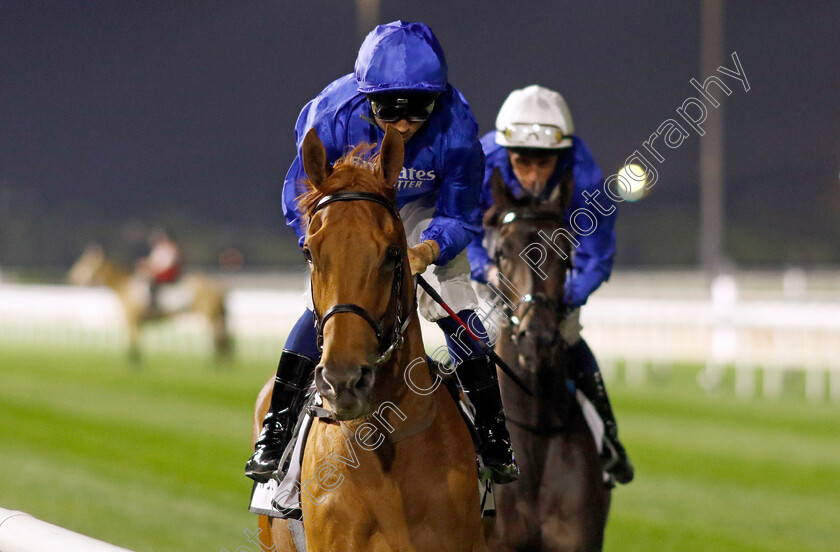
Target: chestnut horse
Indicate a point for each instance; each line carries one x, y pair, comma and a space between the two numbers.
395, 470
200, 294
560, 501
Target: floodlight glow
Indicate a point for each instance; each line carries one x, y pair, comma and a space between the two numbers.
631, 182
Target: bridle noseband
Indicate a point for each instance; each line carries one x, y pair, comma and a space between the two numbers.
386, 347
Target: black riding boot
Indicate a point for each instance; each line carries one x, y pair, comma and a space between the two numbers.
481, 385
590, 381
287, 398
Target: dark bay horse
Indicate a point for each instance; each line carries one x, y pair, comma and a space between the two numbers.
395, 470
560, 501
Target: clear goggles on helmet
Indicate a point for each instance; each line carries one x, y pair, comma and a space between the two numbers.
532, 135
390, 107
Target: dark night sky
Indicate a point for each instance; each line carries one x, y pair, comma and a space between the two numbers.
132, 108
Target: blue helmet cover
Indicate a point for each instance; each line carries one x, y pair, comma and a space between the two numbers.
401, 56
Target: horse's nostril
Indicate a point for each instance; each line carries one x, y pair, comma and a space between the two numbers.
365, 381
321, 384
357, 382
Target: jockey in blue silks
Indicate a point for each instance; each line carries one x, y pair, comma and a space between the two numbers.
533, 148
400, 79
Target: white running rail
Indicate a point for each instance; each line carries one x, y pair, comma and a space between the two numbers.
760, 338
20, 532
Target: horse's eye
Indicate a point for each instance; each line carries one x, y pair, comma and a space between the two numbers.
307, 254
504, 248
394, 253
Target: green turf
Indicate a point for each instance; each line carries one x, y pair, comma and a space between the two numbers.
716, 473
152, 459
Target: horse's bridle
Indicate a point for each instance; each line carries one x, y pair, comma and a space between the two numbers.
558, 307
386, 348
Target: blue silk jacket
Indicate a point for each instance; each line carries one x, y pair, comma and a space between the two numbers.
444, 161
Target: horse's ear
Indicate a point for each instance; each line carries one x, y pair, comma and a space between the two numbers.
502, 196
503, 199
561, 196
315, 163
94, 249
391, 155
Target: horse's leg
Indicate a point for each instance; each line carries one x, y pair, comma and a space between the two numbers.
275, 536
572, 507
488, 525
209, 301
264, 527
134, 343
221, 338
517, 516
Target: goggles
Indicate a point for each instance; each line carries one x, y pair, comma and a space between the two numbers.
390, 108
529, 135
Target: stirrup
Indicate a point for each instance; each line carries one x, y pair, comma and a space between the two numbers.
498, 448
617, 463
499, 475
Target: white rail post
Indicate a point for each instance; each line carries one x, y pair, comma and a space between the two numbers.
834, 385
815, 383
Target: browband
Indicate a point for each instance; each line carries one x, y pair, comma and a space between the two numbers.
356, 196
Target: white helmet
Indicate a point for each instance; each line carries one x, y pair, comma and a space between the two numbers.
534, 117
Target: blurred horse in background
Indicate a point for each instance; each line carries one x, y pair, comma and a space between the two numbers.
560, 501
194, 293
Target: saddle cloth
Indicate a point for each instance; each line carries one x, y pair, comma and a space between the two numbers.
176, 297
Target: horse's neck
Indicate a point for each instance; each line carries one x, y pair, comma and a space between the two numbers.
115, 277
547, 377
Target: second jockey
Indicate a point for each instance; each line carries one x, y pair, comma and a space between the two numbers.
533, 147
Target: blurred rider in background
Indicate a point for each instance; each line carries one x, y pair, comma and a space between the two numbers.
163, 265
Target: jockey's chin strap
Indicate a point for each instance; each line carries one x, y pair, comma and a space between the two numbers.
387, 346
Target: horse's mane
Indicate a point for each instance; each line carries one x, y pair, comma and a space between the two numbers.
356, 171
